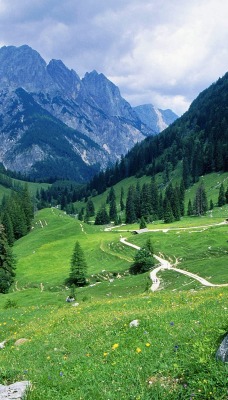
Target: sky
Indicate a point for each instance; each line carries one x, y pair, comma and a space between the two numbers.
160, 52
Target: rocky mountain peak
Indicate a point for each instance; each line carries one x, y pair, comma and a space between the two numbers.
23, 67
67, 80
55, 124
107, 95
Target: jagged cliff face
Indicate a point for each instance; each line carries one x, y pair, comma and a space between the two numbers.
52, 122
155, 117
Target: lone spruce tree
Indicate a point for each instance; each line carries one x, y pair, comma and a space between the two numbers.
7, 263
78, 269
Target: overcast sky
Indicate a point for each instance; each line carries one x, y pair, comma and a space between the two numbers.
163, 52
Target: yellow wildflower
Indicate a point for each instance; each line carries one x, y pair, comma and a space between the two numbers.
105, 354
115, 346
147, 344
138, 350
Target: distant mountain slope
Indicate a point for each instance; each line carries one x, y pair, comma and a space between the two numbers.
197, 141
155, 118
53, 122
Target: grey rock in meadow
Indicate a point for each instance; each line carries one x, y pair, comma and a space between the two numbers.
222, 352
16, 391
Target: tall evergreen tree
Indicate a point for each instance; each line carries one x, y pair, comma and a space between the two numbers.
7, 263
78, 268
137, 200
113, 210
176, 204
130, 206
211, 204
222, 196
145, 201
160, 206
168, 214
102, 217
80, 214
149, 246
171, 195
182, 197
190, 208
142, 224
200, 206
186, 173
154, 200
27, 206
8, 226
122, 206
90, 210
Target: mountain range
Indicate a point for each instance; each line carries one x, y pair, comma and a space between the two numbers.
54, 124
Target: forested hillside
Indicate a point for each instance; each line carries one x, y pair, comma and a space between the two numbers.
199, 139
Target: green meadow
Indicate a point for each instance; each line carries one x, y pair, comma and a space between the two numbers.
88, 350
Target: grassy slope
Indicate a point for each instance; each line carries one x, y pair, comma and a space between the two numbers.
171, 355
32, 187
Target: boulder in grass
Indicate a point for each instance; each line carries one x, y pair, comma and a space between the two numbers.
222, 352
21, 341
134, 323
16, 391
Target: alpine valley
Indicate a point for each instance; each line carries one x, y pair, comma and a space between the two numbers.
54, 124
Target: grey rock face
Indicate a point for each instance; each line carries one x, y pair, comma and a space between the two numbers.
16, 391
222, 352
23, 67
155, 118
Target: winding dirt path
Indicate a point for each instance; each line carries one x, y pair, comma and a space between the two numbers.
165, 264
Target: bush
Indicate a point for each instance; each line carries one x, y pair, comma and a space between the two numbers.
143, 262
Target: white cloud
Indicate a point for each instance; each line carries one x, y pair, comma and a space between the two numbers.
157, 51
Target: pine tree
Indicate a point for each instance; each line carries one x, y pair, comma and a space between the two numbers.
113, 210
90, 210
190, 208
130, 206
200, 203
7, 263
137, 200
102, 217
80, 214
145, 201
122, 206
111, 196
18, 218
142, 223
211, 204
8, 226
171, 196
222, 196
226, 195
154, 200
168, 214
160, 206
182, 197
149, 246
186, 173
27, 206
78, 268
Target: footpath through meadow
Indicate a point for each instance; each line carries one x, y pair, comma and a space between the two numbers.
165, 264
